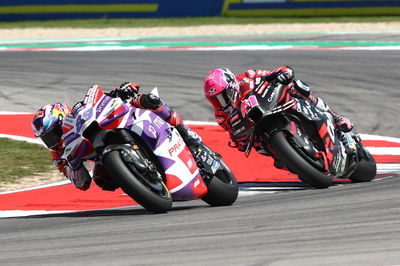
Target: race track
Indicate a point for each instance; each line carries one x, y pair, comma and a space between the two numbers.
351, 224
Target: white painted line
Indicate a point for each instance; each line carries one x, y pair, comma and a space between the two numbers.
384, 150
387, 168
59, 183
252, 193
377, 137
14, 113
18, 213
30, 140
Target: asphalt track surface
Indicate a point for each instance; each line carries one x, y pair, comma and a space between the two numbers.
353, 224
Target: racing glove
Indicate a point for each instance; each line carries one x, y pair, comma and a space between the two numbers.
285, 75
125, 91
147, 101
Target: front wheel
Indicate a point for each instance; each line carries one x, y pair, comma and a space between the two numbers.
366, 167
222, 188
137, 186
296, 163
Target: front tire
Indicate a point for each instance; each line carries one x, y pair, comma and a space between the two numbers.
366, 168
296, 163
157, 202
223, 189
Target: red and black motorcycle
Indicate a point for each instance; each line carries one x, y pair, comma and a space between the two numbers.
300, 137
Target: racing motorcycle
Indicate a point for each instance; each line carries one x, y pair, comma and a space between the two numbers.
300, 137
144, 155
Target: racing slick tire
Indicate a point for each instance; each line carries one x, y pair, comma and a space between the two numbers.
157, 202
296, 163
223, 189
366, 168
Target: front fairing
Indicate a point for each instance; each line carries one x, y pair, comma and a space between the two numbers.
260, 102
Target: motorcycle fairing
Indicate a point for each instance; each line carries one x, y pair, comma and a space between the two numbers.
183, 176
166, 143
323, 121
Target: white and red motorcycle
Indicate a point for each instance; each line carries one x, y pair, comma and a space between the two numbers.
145, 155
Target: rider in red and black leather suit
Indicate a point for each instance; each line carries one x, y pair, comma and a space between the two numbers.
75, 171
220, 82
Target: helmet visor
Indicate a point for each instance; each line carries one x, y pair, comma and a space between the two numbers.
52, 137
222, 99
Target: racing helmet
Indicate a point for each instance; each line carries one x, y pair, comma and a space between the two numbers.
47, 123
221, 88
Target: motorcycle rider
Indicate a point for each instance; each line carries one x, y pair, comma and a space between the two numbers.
48, 125
225, 91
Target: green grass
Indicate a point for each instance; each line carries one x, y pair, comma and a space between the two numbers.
179, 22
19, 159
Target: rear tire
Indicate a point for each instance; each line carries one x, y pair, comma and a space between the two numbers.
366, 168
223, 188
131, 185
296, 163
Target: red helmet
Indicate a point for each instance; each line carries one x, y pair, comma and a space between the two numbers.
221, 88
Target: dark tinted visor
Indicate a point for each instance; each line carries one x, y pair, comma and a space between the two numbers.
52, 137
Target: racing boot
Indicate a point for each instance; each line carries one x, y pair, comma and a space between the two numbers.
191, 138
102, 179
341, 122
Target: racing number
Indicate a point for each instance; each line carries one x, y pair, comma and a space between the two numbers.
87, 114
248, 104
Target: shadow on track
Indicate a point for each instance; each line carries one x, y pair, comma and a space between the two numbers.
131, 211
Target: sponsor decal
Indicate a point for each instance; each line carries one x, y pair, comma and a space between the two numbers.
238, 131
251, 73
177, 147
257, 81
265, 92
215, 166
196, 183
70, 138
339, 162
234, 118
87, 114
102, 105
67, 128
159, 122
79, 123
272, 95
261, 89
212, 91
220, 120
69, 120
89, 95
189, 163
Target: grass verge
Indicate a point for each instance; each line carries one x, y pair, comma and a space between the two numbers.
180, 22
19, 159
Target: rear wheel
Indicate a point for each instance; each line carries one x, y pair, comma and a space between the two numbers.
150, 193
299, 165
222, 188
